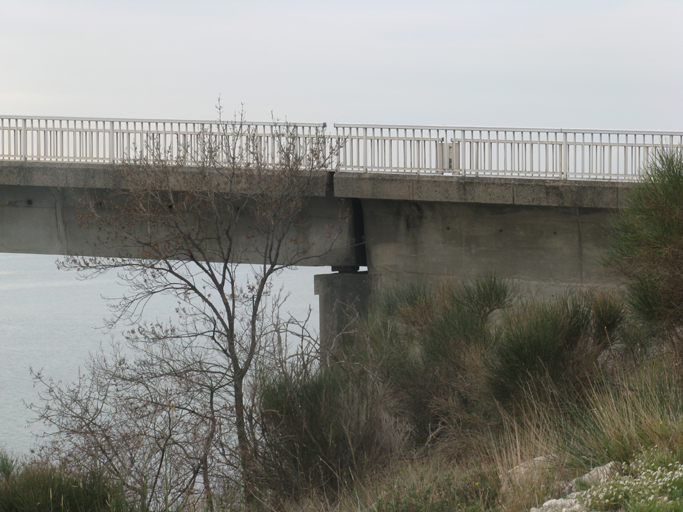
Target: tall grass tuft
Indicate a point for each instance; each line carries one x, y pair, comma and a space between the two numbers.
640, 408
8, 466
431, 487
553, 351
527, 454
541, 344
322, 431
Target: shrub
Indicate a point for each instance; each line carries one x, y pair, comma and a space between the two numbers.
433, 350
411, 368
646, 241
323, 431
8, 466
38, 488
548, 348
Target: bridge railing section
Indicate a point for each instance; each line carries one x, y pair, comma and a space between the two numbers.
465, 151
122, 140
501, 152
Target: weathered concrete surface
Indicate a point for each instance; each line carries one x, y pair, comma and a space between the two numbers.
110, 176
545, 234
44, 220
501, 191
341, 296
545, 248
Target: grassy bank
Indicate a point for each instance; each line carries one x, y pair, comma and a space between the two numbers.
435, 398
465, 396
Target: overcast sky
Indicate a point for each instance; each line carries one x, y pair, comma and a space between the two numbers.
571, 64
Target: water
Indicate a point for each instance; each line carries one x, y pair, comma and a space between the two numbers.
50, 321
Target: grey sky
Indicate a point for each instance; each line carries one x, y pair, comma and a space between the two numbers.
571, 64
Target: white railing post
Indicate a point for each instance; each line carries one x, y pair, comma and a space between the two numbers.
463, 150
111, 141
24, 139
564, 158
365, 150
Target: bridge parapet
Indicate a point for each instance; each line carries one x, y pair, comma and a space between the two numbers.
497, 152
534, 153
115, 141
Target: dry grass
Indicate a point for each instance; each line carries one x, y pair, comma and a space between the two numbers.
529, 460
641, 408
423, 484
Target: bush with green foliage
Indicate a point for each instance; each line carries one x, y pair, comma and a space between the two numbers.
430, 347
321, 431
40, 488
430, 364
393, 380
646, 241
549, 351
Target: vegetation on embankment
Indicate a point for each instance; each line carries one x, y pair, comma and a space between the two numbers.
471, 396
38, 487
434, 399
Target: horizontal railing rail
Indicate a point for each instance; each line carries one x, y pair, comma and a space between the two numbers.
463, 151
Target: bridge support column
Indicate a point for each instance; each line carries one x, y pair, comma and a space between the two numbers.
342, 296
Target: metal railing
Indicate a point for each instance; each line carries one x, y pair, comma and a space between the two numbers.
461, 151
501, 152
111, 141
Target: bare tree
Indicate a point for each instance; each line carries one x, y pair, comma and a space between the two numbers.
168, 412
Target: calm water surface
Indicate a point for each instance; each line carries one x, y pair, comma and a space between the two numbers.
50, 321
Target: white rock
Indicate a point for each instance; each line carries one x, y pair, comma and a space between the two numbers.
562, 505
595, 476
600, 474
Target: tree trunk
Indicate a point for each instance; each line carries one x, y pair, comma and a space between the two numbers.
243, 444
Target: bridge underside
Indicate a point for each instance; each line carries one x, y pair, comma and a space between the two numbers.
45, 220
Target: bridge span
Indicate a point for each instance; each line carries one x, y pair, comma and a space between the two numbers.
411, 202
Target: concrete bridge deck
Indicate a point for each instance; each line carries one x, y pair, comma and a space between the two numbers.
410, 203
544, 232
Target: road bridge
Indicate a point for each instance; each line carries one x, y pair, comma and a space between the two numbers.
410, 202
